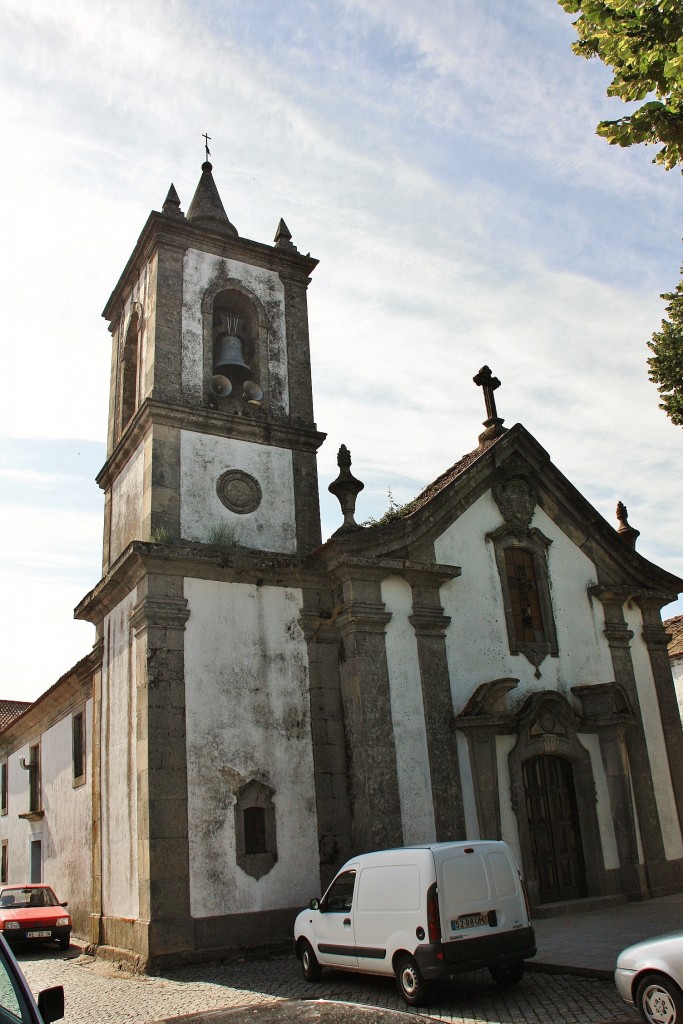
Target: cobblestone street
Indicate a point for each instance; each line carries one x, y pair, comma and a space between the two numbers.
97, 993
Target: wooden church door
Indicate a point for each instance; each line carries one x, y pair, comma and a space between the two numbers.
554, 828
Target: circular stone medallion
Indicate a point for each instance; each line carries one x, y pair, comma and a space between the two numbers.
238, 491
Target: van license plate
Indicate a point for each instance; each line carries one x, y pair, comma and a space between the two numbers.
38, 935
469, 921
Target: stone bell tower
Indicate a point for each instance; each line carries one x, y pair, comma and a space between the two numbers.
211, 430
202, 762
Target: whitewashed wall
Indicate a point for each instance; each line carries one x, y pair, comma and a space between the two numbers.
119, 766
677, 672
127, 503
477, 639
203, 459
248, 717
407, 711
201, 270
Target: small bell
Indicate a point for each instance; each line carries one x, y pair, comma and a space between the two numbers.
229, 358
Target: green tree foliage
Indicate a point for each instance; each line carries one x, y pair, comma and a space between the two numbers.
642, 42
666, 365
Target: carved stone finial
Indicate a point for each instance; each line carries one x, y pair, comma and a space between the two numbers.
493, 422
283, 237
171, 205
346, 488
628, 534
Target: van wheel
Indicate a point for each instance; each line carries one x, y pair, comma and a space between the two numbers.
508, 974
410, 983
310, 968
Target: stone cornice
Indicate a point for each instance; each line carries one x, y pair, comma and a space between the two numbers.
177, 233
154, 611
429, 621
199, 561
205, 421
609, 594
349, 567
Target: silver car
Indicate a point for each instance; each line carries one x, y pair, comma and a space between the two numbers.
649, 976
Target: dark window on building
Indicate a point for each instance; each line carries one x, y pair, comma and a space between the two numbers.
255, 834
34, 780
3, 862
255, 830
524, 598
78, 745
36, 859
4, 787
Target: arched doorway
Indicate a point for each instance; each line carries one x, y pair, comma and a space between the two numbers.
554, 828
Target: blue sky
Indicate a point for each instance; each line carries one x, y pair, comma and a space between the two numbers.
442, 165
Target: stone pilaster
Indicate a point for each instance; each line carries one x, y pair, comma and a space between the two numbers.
430, 625
370, 743
607, 713
619, 638
656, 638
329, 747
95, 933
158, 621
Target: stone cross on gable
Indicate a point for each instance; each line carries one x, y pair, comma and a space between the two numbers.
493, 422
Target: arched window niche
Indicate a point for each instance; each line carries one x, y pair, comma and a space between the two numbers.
130, 384
234, 329
255, 835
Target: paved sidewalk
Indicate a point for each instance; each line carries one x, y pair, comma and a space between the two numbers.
589, 943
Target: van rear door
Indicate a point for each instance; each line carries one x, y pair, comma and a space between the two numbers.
479, 891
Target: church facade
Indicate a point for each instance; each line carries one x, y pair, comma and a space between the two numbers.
491, 663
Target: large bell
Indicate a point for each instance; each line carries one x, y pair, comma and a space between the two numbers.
229, 361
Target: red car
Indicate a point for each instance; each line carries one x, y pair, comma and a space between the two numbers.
33, 912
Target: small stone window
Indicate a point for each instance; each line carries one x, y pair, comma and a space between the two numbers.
78, 748
4, 788
255, 835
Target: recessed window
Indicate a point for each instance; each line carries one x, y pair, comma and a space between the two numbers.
255, 835
78, 746
524, 599
4, 787
4, 854
255, 830
35, 795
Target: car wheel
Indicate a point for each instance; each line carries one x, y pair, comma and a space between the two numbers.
659, 1000
508, 974
410, 983
64, 943
310, 968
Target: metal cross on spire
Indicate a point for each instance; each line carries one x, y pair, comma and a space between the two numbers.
207, 138
493, 422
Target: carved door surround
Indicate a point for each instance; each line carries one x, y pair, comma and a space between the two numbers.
545, 724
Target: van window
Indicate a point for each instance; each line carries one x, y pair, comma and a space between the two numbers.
504, 881
339, 896
466, 875
390, 887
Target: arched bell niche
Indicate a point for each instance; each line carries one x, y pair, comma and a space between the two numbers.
235, 321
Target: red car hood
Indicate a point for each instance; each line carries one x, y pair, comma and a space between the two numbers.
39, 915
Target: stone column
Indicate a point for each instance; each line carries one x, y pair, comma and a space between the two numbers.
158, 621
329, 747
430, 625
619, 637
360, 623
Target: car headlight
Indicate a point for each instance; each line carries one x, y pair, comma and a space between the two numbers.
62, 922
11, 924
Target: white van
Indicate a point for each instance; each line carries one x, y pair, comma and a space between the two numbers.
419, 913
